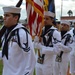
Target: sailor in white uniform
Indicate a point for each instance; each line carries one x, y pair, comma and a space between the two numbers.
72, 54
48, 47
62, 59
17, 48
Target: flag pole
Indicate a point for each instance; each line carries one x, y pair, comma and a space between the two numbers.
61, 7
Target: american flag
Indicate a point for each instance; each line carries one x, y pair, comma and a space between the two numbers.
35, 15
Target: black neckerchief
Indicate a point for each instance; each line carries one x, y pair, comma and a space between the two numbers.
74, 31
10, 28
63, 32
5, 47
47, 27
46, 30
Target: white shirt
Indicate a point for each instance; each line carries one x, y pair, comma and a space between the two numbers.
19, 61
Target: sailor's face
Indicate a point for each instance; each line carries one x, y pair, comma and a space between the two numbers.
65, 27
9, 19
47, 20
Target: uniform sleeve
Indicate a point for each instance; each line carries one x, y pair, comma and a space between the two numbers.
0, 55
50, 50
55, 49
73, 49
29, 55
31, 58
56, 37
68, 47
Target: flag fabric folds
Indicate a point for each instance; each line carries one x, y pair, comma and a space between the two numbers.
34, 15
49, 5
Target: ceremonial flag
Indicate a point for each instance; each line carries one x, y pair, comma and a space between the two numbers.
49, 6
34, 15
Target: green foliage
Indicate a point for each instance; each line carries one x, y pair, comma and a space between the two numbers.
1, 17
1, 67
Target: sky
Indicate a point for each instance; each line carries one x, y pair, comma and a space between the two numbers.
60, 6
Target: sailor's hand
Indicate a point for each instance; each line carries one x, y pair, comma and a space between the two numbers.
36, 39
58, 48
59, 45
39, 46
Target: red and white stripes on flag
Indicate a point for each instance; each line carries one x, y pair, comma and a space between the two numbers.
34, 15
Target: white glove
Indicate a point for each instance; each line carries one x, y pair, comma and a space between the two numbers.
66, 48
35, 44
57, 49
36, 39
58, 46
39, 46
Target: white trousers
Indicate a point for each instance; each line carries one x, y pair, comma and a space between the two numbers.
60, 68
42, 69
72, 64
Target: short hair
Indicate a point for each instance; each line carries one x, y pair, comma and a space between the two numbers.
16, 14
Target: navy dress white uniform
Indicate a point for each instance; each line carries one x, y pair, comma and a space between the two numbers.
17, 49
48, 47
72, 54
62, 59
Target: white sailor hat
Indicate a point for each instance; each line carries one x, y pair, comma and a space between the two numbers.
65, 22
49, 13
11, 9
